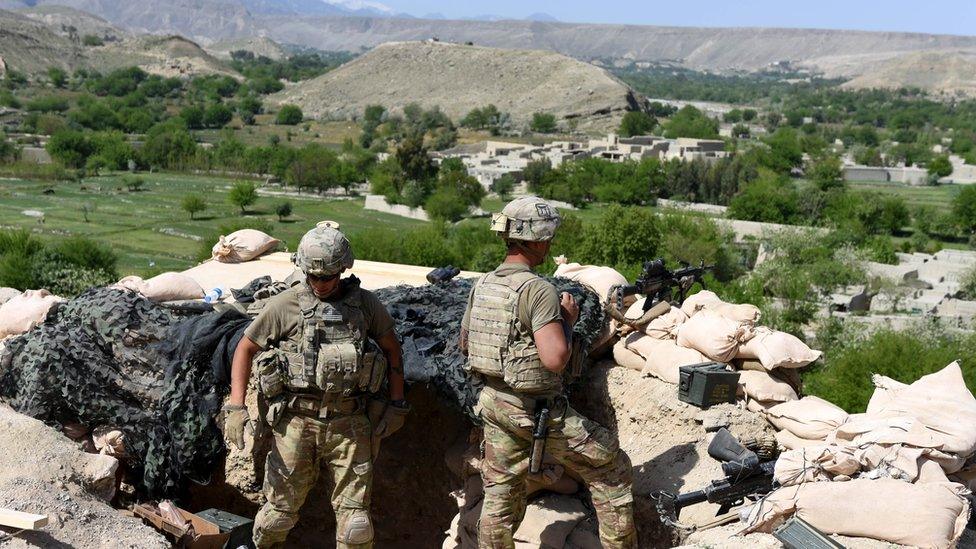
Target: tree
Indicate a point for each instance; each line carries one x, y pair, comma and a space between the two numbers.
193, 204
193, 116
940, 166
535, 173
503, 186
314, 167
826, 172
168, 145
283, 210
289, 115
57, 76
133, 183
964, 208
446, 205
691, 122
771, 198
69, 147
243, 194
543, 122
636, 123
92, 40
86, 209
217, 115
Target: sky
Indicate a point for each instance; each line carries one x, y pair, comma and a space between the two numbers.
927, 16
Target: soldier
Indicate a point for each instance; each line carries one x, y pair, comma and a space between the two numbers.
316, 369
517, 333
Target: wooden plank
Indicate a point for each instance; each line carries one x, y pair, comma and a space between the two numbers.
18, 519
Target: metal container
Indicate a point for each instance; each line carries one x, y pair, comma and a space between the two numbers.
707, 384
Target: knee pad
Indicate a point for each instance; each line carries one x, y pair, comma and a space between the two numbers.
357, 528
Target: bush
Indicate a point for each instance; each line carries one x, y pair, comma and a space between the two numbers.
770, 199
133, 183
543, 122
65, 267
92, 40
940, 166
691, 122
445, 205
852, 357
283, 210
289, 115
48, 103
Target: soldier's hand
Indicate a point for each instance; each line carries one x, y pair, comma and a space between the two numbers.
393, 419
570, 310
236, 421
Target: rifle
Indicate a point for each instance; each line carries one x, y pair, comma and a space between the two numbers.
745, 477
657, 283
540, 432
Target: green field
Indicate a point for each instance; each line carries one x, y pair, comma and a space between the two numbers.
939, 196
149, 230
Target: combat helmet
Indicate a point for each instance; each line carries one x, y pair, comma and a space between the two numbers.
529, 218
324, 250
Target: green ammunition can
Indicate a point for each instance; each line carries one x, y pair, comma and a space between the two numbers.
707, 384
238, 527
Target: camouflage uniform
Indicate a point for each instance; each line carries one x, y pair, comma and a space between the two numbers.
302, 446
587, 448
316, 371
505, 309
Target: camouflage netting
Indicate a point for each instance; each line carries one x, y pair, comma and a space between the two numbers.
111, 358
97, 361
428, 320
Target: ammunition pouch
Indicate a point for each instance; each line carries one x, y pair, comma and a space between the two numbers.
525, 373
270, 366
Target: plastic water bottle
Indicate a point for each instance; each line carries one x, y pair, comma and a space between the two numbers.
213, 295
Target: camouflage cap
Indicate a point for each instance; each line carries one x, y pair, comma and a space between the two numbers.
528, 218
324, 251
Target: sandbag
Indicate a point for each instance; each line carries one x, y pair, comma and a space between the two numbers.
925, 515
786, 375
761, 386
811, 417
885, 389
701, 300
790, 441
943, 406
23, 312
599, 279
713, 335
6, 294
662, 358
777, 350
758, 406
706, 300
666, 325
815, 464
626, 357
168, 286
243, 245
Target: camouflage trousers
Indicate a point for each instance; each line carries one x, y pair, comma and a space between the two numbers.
302, 446
587, 448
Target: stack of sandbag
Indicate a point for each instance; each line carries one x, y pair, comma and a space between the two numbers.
6, 294
599, 279
168, 286
895, 473
22, 312
243, 245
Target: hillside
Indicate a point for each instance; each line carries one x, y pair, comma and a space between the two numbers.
31, 46
258, 46
75, 24
948, 72
460, 78
163, 55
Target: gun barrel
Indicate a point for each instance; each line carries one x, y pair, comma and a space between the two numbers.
691, 498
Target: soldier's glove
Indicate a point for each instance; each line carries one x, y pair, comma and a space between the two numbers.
393, 419
236, 421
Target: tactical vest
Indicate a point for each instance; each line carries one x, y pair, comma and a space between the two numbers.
498, 345
334, 356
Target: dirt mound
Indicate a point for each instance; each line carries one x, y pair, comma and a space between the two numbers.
46, 473
258, 46
163, 55
948, 72
460, 78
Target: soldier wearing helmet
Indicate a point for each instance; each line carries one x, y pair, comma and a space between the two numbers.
322, 347
517, 333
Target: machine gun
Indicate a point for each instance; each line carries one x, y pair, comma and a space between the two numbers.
658, 284
746, 476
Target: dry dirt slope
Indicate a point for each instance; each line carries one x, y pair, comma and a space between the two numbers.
459, 78
946, 72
